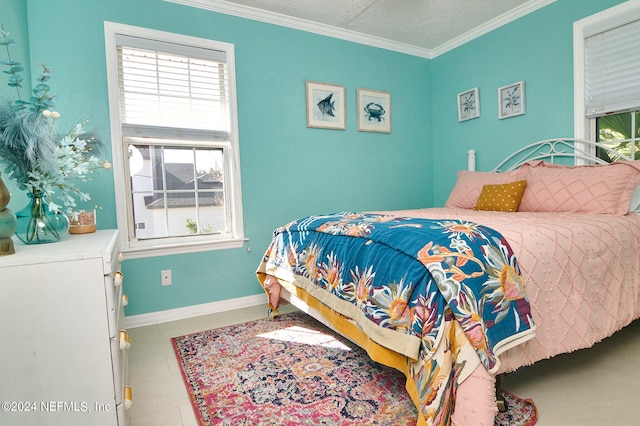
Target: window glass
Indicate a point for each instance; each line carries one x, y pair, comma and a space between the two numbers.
177, 191
620, 132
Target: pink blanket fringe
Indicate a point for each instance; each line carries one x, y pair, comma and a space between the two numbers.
476, 400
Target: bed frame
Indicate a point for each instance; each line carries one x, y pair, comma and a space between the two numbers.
550, 150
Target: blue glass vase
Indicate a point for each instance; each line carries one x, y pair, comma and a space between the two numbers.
38, 225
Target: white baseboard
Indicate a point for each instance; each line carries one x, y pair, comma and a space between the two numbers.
153, 318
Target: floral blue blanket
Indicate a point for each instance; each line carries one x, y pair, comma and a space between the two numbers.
444, 293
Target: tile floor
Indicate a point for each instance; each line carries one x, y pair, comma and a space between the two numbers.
596, 386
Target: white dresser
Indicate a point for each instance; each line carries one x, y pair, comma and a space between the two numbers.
63, 346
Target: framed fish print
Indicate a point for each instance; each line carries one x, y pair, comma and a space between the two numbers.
468, 105
326, 106
374, 111
511, 100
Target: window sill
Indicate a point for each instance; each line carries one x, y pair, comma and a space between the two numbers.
174, 249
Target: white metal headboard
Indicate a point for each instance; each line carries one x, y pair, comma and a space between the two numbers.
582, 151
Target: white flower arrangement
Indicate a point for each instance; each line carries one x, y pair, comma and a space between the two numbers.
74, 160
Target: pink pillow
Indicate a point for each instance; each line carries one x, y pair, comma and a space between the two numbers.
467, 190
603, 189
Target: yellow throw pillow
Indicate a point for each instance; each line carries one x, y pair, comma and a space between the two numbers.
501, 197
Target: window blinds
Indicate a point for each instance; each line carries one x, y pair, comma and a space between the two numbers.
612, 70
171, 85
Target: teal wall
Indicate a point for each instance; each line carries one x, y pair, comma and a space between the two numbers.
537, 48
13, 16
288, 170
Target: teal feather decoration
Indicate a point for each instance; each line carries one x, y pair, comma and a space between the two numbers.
24, 142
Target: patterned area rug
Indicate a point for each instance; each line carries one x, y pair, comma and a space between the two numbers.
521, 412
291, 371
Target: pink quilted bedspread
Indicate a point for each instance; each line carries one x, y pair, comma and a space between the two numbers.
581, 271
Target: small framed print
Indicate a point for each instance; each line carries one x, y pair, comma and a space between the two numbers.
374, 111
468, 104
326, 106
511, 100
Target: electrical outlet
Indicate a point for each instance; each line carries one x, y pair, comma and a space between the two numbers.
165, 277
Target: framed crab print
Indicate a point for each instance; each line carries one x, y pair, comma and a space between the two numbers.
326, 106
511, 100
374, 111
468, 104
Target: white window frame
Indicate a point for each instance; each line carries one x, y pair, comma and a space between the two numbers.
129, 246
585, 128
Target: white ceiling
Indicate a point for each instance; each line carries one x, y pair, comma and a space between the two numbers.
420, 27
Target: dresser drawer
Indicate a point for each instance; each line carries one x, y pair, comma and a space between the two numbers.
123, 409
114, 294
120, 344
121, 377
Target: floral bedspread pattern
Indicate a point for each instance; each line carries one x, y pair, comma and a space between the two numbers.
447, 294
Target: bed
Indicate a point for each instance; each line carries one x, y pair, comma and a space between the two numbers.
533, 259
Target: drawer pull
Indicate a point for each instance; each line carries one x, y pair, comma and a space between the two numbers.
117, 279
128, 397
125, 300
125, 340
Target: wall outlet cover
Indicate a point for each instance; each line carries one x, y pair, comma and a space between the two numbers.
165, 277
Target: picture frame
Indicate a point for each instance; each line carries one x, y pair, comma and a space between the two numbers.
469, 104
326, 106
511, 100
374, 111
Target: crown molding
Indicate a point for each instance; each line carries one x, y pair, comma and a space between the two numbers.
248, 12
487, 27
261, 15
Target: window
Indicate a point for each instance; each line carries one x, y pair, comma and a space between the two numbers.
175, 149
621, 132
607, 83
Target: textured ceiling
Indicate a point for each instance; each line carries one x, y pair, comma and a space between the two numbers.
425, 24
